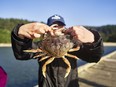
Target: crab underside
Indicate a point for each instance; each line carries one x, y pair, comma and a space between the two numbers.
55, 47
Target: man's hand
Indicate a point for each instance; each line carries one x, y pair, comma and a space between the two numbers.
81, 33
33, 30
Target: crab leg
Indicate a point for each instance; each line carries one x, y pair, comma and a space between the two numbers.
43, 58
33, 50
46, 63
72, 56
69, 67
40, 55
74, 49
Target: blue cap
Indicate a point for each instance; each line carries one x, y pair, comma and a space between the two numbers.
55, 18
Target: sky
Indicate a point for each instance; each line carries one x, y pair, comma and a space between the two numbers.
74, 12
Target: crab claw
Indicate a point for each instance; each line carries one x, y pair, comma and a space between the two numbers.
44, 74
33, 50
72, 56
44, 66
69, 67
74, 49
43, 58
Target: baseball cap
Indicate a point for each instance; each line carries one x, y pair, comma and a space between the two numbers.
55, 18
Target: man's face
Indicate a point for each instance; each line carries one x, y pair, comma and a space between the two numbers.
57, 27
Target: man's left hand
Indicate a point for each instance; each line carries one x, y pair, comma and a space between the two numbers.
81, 33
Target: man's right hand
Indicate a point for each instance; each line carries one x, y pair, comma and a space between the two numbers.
33, 30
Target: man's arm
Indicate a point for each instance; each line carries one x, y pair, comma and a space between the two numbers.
18, 45
91, 52
22, 36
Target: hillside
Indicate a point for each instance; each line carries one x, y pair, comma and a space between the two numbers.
6, 26
108, 32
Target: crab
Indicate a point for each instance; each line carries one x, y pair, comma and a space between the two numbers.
58, 46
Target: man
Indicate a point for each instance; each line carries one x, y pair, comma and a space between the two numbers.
91, 50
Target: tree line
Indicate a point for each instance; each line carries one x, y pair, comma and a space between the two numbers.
108, 32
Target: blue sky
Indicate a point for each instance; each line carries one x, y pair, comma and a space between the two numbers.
75, 12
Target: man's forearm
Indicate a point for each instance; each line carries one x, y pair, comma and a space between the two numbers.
91, 52
18, 45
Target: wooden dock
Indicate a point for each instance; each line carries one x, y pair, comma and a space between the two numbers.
101, 74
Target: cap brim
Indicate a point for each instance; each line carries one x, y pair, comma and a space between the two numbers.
50, 23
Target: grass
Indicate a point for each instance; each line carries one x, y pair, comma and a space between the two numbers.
5, 36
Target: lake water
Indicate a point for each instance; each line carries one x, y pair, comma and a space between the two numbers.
25, 73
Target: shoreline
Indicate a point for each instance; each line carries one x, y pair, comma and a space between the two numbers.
105, 44
109, 43
5, 44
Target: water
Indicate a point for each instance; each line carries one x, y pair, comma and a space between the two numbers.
25, 73
20, 73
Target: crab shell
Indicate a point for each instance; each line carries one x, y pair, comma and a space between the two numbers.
57, 46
